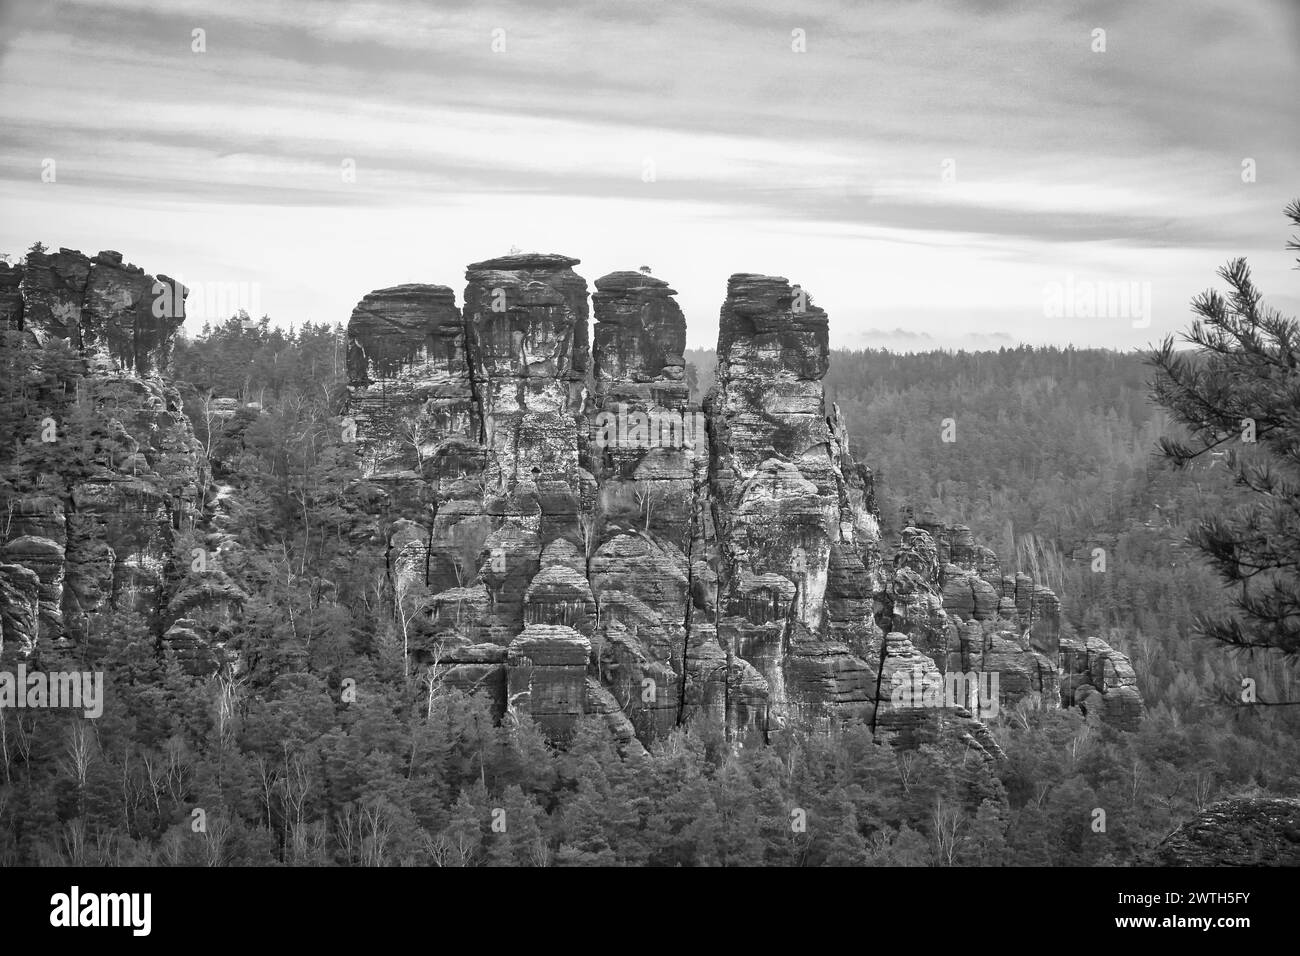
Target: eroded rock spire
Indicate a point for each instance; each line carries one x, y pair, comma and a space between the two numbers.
579, 537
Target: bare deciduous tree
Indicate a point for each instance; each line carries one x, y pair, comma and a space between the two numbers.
907, 770
207, 404
411, 433
408, 603
216, 834
948, 821
649, 495
438, 847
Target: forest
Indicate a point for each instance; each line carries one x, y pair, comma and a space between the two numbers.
324, 751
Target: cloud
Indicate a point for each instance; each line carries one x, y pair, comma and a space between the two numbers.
829, 164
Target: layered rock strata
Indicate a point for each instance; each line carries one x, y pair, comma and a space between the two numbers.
1096, 676
564, 530
104, 471
577, 537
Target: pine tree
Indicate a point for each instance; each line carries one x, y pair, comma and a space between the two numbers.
1237, 394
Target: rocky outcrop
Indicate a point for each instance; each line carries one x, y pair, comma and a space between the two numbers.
412, 394
563, 529
572, 532
20, 602
112, 312
106, 471
547, 677
612, 547
468, 430
1245, 831
647, 528
1096, 677
790, 543
950, 595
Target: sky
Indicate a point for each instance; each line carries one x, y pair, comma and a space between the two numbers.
935, 175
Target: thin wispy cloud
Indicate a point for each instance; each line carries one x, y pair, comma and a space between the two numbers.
825, 165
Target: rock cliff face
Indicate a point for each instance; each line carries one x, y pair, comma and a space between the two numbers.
104, 469
567, 532
1095, 674
564, 530
118, 317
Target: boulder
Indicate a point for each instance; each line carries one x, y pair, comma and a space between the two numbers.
1244, 831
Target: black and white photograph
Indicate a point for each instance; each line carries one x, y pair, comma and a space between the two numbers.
639, 434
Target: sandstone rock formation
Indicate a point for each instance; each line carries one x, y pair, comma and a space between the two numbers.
564, 530
95, 525
1096, 675
1239, 832
571, 534
118, 317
